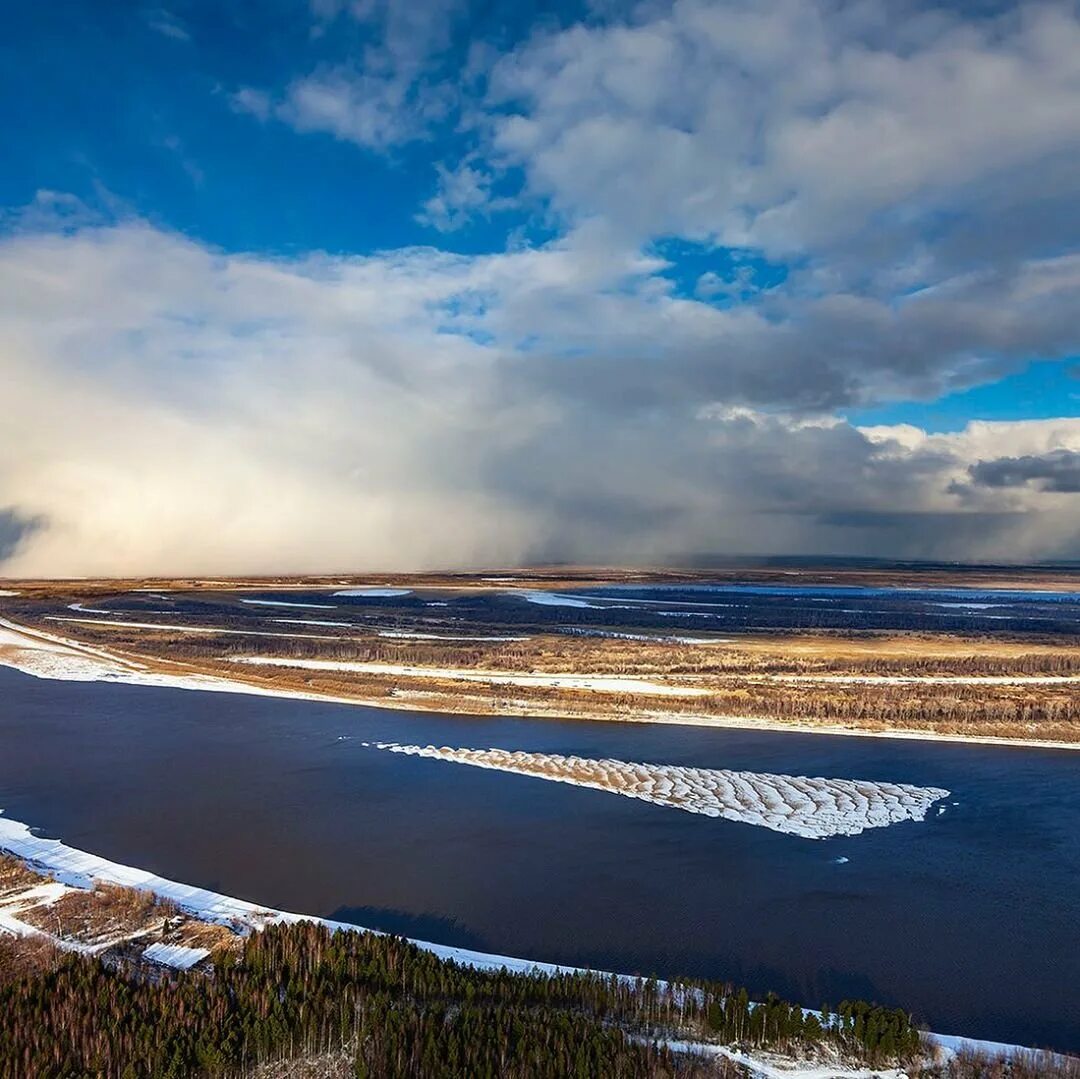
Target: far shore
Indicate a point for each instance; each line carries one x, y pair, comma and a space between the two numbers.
47, 656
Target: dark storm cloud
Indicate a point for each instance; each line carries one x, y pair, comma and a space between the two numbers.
1057, 471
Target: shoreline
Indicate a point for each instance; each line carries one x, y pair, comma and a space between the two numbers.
89, 664
81, 869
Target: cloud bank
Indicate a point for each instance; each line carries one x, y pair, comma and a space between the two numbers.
880, 203
174, 408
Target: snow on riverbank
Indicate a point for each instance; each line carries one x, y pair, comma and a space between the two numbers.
812, 808
603, 683
80, 869
43, 655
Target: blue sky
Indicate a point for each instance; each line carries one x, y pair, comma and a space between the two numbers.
752, 247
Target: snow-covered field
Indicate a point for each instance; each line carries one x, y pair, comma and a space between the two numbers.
812, 808
602, 683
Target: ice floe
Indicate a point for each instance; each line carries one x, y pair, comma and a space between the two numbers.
813, 808
553, 599
286, 603
374, 593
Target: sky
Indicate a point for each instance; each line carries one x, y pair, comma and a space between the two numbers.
360, 285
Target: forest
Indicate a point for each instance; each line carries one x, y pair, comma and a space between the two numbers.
398, 1011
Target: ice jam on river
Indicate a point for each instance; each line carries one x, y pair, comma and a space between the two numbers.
812, 808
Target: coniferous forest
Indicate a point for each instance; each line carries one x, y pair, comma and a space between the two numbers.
398, 1011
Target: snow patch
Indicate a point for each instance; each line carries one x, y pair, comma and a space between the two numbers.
175, 955
603, 683
312, 622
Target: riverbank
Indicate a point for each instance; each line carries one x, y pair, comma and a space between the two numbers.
46, 655
65, 869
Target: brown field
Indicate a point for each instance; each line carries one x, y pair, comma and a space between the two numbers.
117, 923
783, 679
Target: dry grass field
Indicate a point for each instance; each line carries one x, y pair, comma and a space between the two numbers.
1000, 685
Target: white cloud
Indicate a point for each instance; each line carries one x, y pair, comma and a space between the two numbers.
384, 94
916, 170
790, 125
172, 408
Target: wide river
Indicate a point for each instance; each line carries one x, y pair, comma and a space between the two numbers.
970, 918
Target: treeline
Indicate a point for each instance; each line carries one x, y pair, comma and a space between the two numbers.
864, 1030
909, 705
399, 1011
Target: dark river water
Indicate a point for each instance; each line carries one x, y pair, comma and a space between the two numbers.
970, 919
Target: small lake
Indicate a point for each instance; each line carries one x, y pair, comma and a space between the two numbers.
971, 919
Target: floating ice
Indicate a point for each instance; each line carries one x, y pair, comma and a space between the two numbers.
286, 603
553, 599
796, 805
374, 593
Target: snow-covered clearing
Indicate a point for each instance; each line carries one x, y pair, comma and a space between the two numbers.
603, 683
813, 808
175, 955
